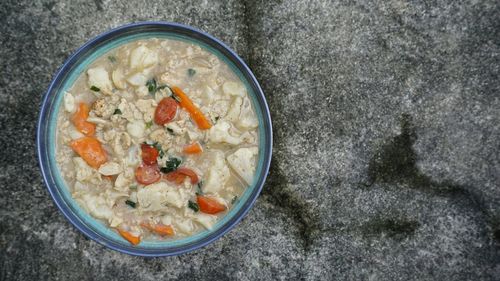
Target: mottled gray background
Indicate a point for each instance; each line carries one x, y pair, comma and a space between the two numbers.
386, 160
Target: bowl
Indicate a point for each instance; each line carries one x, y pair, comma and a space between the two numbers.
64, 78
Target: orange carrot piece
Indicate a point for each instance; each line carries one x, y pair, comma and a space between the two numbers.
209, 205
79, 119
134, 240
193, 148
90, 149
161, 229
186, 103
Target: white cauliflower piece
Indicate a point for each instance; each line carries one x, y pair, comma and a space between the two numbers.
142, 57
69, 102
121, 181
243, 162
247, 119
155, 196
218, 173
220, 133
234, 89
136, 129
99, 78
205, 220
234, 111
96, 206
137, 79
118, 79
110, 168
184, 226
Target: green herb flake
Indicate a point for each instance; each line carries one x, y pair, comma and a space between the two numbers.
117, 111
191, 72
112, 59
130, 203
170, 130
95, 89
193, 206
152, 87
133, 187
235, 198
199, 191
149, 124
158, 147
171, 165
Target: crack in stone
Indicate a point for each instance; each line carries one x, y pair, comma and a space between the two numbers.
395, 162
276, 193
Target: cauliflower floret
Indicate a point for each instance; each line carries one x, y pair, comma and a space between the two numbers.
69, 102
155, 196
142, 91
136, 129
118, 79
234, 89
102, 108
218, 173
137, 79
205, 219
243, 162
99, 78
234, 111
220, 133
83, 171
121, 181
96, 206
110, 168
247, 119
142, 57
183, 225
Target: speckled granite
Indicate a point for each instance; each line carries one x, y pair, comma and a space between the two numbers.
386, 159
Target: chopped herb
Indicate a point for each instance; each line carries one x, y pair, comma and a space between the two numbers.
133, 187
198, 188
171, 165
130, 203
216, 119
112, 59
193, 206
235, 198
149, 124
117, 111
95, 89
170, 130
151, 84
191, 72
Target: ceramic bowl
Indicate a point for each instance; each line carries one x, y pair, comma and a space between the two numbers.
63, 80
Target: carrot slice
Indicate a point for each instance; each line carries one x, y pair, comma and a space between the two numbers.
160, 229
209, 205
134, 240
79, 119
186, 103
193, 148
90, 149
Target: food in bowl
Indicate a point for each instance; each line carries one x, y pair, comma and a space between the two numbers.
157, 138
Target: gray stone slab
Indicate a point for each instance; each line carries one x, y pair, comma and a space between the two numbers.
386, 158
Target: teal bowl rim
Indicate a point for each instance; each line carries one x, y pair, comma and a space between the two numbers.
64, 78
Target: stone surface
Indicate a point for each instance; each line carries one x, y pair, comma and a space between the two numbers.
386, 160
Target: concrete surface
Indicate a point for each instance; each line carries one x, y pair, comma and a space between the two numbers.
386, 159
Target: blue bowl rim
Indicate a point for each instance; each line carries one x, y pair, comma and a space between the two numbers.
196, 34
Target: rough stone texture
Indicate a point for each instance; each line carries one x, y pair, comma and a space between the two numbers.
386, 158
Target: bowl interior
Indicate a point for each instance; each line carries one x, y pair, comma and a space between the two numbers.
65, 78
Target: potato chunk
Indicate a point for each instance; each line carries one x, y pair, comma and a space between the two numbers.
243, 162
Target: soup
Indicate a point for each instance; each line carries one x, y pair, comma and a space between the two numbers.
157, 139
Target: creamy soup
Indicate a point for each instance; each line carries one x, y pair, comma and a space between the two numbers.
157, 139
